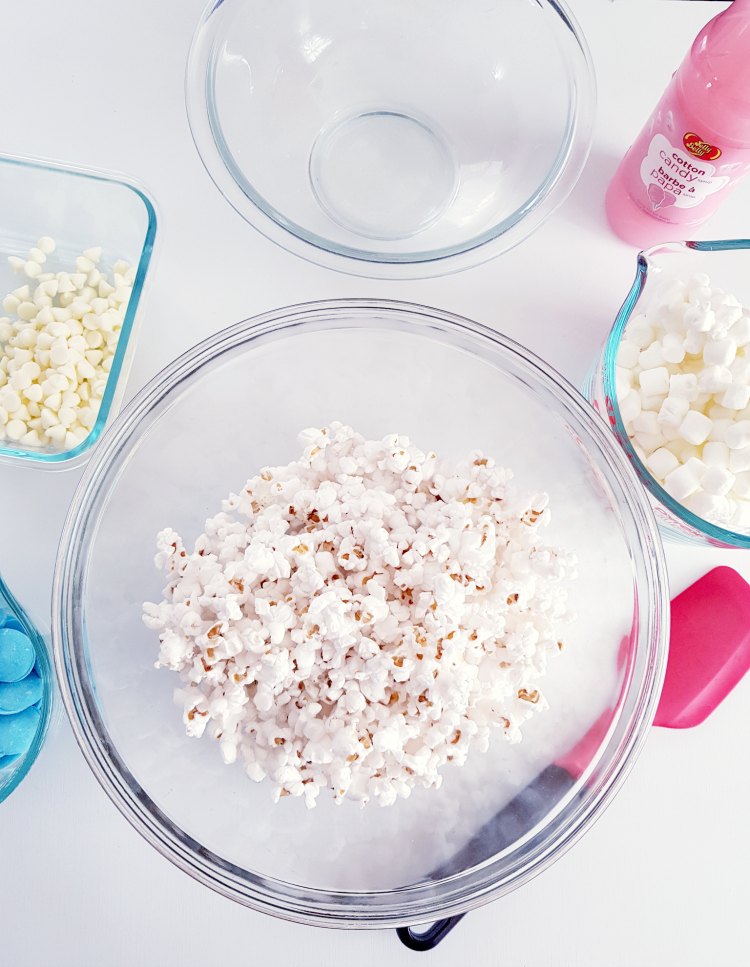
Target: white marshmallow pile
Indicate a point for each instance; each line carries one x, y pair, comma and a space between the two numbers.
360, 617
57, 344
683, 388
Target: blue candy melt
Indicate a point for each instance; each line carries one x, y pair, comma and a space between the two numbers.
16, 696
16, 655
6, 761
9, 620
17, 731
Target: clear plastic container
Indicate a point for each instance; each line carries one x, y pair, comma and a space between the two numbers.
12, 615
451, 385
79, 208
727, 263
392, 140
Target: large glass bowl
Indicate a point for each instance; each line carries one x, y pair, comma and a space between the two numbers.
726, 261
392, 139
234, 404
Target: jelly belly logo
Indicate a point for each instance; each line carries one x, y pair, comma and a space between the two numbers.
699, 148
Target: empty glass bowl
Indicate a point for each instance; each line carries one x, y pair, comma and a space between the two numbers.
392, 139
236, 403
726, 262
79, 208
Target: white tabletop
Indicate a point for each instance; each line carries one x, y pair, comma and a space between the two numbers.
661, 878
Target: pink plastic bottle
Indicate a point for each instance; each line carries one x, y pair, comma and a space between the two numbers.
696, 144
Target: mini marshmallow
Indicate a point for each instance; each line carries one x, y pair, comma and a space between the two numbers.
742, 485
740, 369
627, 354
740, 331
661, 463
698, 319
717, 454
652, 357
630, 407
646, 422
622, 381
719, 430
687, 452
717, 481
727, 315
695, 428
739, 460
720, 352
673, 350
673, 411
649, 442
738, 435
714, 379
735, 397
670, 432
639, 332
684, 385
712, 508
682, 482
694, 343
655, 382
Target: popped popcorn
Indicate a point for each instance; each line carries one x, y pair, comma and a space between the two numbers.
357, 619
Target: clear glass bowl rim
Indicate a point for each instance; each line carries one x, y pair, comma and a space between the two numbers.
714, 533
412, 265
66, 458
420, 902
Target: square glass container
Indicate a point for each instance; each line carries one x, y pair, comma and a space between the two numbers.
79, 208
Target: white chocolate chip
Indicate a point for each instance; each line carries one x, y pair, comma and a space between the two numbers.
53, 368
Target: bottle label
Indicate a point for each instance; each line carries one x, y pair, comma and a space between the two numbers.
681, 176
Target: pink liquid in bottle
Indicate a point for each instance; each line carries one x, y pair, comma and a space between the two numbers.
696, 144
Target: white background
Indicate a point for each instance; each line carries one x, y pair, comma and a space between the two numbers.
662, 878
